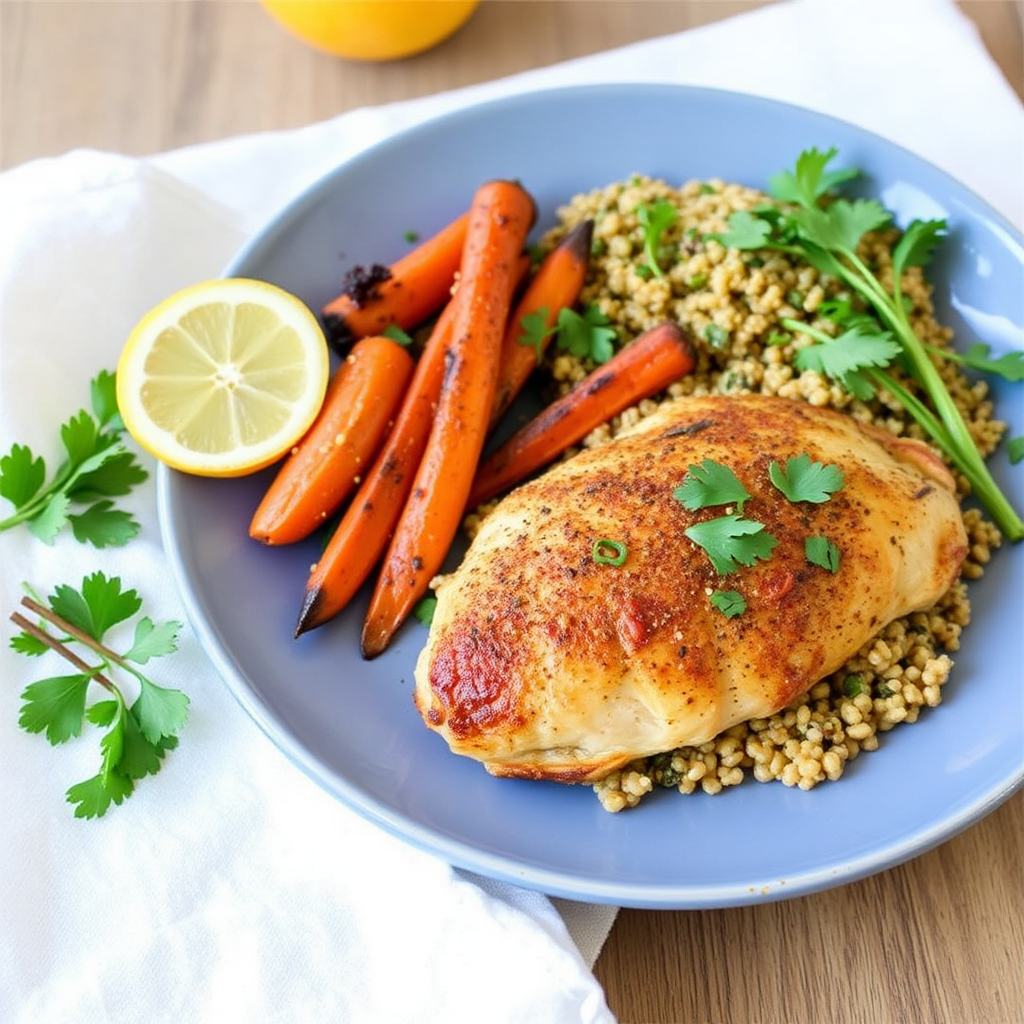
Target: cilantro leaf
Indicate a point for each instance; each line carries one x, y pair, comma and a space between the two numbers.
655, 218
152, 641
159, 711
809, 180
822, 552
97, 464
103, 398
55, 706
711, 483
842, 225
94, 796
79, 436
27, 644
98, 605
586, 335
914, 249
424, 609
102, 525
1009, 366
536, 330
745, 230
802, 479
397, 335
842, 358
139, 756
112, 742
50, 519
731, 541
729, 602
115, 476
1015, 449
103, 712
21, 475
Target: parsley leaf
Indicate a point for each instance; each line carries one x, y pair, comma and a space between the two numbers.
731, 541
655, 218
802, 479
586, 335
96, 464
138, 736
822, 552
729, 602
1015, 449
711, 483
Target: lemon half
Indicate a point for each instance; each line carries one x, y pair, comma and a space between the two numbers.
223, 377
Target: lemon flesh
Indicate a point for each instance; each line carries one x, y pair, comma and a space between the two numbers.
223, 378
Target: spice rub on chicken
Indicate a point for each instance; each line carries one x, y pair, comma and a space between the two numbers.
554, 654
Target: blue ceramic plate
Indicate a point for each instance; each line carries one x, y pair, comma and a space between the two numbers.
351, 724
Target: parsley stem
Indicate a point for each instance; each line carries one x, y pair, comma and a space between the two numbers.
94, 645
55, 645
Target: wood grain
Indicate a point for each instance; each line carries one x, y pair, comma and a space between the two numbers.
938, 940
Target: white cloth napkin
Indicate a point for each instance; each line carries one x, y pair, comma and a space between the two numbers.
230, 888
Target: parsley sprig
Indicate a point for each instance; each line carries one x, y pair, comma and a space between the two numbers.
96, 468
810, 224
138, 734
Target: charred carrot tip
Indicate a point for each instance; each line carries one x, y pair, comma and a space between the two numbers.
309, 614
337, 332
578, 241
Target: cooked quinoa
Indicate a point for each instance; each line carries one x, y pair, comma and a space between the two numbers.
731, 303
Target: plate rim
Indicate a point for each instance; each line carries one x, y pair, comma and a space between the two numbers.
458, 852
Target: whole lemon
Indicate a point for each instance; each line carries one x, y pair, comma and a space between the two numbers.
371, 30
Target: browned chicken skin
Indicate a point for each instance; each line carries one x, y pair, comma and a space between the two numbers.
543, 663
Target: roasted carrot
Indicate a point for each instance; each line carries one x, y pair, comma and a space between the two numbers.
556, 285
404, 294
642, 368
501, 216
326, 464
362, 535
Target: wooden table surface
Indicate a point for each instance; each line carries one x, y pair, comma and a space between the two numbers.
940, 939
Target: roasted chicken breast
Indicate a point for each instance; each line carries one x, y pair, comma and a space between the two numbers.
543, 662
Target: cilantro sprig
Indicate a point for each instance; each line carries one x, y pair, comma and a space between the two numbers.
96, 467
806, 221
587, 334
138, 734
655, 218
